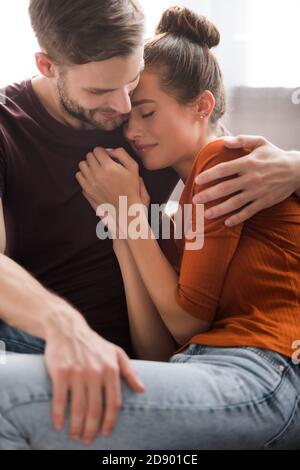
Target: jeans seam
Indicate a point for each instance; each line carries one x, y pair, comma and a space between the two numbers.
22, 343
247, 403
280, 435
264, 356
212, 407
170, 406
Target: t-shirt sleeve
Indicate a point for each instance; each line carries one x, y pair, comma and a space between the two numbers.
203, 271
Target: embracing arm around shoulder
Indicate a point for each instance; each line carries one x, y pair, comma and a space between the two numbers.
265, 177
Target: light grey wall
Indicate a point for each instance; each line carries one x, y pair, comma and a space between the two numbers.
271, 112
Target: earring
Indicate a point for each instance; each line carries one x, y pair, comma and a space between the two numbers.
203, 115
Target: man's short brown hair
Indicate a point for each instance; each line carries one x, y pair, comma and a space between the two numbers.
83, 31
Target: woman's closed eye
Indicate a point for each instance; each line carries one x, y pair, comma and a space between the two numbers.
144, 116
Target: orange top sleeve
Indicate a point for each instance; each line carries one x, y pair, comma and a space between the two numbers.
202, 271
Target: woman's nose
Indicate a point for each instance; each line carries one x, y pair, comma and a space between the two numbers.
132, 132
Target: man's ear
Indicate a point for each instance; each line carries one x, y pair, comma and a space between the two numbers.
205, 105
45, 64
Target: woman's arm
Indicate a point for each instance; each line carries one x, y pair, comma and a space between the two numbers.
150, 337
186, 305
161, 281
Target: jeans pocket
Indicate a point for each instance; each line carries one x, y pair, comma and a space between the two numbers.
190, 350
289, 437
20, 342
278, 362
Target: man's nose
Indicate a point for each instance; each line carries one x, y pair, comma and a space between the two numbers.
122, 102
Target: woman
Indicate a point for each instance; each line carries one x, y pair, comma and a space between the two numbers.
215, 325
232, 306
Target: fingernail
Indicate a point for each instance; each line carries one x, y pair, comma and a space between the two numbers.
228, 223
208, 214
74, 438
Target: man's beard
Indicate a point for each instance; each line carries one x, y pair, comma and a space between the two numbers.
86, 116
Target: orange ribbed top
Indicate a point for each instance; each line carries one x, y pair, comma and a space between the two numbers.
245, 279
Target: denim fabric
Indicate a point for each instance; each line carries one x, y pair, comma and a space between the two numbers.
203, 398
19, 342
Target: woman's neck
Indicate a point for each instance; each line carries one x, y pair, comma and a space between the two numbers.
185, 164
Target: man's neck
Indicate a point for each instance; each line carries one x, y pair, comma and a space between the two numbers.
50, 102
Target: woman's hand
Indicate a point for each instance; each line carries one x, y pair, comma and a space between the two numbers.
267, 176
103, 180
144, 195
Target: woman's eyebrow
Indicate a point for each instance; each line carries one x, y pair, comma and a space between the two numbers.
139, 102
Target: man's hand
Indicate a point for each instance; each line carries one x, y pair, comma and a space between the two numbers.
267, 176
88, 368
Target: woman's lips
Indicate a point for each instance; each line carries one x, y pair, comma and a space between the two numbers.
143, 149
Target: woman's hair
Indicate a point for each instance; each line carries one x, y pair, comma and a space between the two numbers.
181, 52
82, 31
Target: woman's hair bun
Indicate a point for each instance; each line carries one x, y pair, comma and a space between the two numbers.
181, 21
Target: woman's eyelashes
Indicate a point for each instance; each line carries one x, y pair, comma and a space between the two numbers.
144, 116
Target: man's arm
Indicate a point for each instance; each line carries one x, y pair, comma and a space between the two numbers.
267, 176
78, 360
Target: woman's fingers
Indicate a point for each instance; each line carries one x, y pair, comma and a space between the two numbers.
93, 162
81, 179
102, 157
124, 158
86, 171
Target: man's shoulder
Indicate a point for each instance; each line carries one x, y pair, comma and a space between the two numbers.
12, 96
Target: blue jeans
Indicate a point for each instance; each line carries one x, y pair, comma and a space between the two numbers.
19, 342
203, 398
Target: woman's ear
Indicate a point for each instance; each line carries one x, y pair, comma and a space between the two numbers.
205, 105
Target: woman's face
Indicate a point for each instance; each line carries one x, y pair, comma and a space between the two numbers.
162, 131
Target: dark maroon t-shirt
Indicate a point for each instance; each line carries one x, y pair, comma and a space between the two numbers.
50, 227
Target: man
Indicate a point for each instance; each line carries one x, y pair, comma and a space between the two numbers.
61, 288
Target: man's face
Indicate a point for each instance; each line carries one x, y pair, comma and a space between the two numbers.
98, 93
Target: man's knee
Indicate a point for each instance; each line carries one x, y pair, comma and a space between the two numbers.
22, 377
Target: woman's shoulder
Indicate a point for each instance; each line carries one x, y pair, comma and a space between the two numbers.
215, 153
